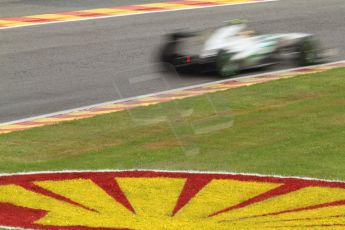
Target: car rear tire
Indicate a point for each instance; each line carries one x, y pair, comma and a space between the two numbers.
225, 66
308, 52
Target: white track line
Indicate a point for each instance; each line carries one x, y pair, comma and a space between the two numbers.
138, 13
158, 93
167, 171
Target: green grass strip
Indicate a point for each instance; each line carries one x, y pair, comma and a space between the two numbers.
292, 127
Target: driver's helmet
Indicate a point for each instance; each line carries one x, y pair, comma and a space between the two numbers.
243, 23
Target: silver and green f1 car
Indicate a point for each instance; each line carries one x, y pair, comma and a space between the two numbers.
231, 48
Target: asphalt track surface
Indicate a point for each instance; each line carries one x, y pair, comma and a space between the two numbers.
48, 68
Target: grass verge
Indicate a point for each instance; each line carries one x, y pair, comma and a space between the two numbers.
289, 127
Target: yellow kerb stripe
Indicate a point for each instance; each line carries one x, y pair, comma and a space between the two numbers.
109, 11
230, 1
12, 23
169, 6
55, 17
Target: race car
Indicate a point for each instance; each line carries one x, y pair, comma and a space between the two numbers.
231, 48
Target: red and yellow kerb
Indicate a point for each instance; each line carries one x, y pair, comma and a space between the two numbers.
12, 22
168, 200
